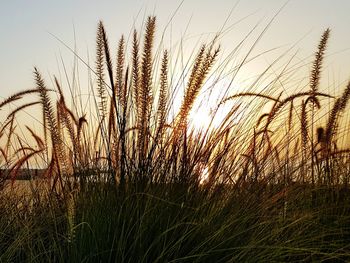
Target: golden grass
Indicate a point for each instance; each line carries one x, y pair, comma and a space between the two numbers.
136, 137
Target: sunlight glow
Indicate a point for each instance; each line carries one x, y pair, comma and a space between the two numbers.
204, 176
201, 119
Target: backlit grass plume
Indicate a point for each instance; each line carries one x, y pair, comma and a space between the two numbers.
155, 169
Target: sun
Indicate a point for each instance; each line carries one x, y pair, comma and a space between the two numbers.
212, 118
200, 119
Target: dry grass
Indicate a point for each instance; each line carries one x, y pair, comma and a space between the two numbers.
271, 169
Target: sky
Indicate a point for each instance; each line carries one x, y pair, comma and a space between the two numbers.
26, 29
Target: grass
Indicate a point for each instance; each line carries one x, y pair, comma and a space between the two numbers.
134, 182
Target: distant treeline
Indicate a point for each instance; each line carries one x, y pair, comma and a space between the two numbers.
23, 174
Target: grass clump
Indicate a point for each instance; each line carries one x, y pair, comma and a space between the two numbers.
135, 182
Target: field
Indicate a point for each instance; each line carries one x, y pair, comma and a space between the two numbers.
135, 178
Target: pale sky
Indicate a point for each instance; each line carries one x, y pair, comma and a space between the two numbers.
26, 42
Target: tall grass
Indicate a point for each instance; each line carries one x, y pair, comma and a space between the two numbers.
141, 184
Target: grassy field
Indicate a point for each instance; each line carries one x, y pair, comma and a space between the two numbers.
135, 180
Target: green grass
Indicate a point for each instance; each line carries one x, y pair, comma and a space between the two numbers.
169, 223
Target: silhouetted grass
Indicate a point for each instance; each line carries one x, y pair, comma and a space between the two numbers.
133, 182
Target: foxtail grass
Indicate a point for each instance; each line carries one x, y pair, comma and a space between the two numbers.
137, 181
